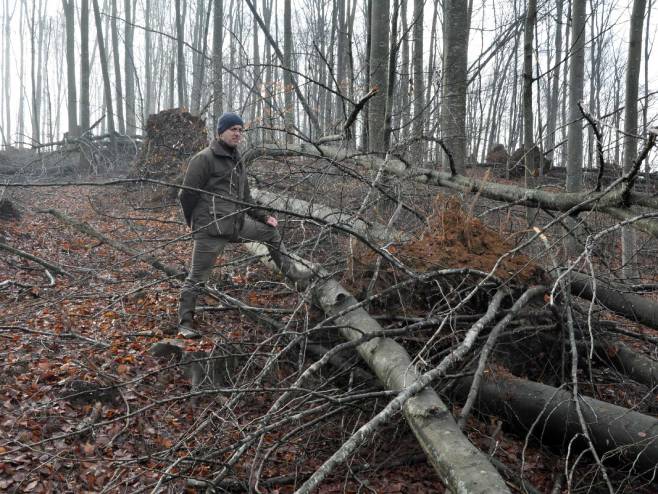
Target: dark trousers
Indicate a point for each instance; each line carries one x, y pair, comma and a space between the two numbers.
206, 250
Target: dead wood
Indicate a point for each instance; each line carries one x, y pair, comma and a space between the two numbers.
615, 200
48, 265
629, 305
460, 465
92, 232
550, 414
628, 362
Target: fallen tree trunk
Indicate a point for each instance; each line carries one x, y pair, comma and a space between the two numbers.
460, 465
627, 361
326, 215
629, 305
614, 202
550, 414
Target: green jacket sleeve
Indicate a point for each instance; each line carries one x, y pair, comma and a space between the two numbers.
197, 175
255, 212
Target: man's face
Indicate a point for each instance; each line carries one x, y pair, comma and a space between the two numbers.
232, 136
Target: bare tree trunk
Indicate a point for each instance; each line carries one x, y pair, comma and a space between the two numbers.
180, 56
390, 78
20, 125
289, 112
148, 69
403, 107
6, 67
628, 241
217, 59
576, 82
69, 15
418, 148
117, 69
645, 106
551, 123
531, 166
129, 69
109, 117
85, 69
379, 48
455, 59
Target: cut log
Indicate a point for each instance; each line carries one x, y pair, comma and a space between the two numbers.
627, 361
550, 414
629, 305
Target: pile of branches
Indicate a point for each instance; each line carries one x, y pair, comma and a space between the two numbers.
172, 137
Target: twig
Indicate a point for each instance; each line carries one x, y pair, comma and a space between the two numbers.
68, 335
599, 144
53, 267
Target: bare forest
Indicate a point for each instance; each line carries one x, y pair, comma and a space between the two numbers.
471, 189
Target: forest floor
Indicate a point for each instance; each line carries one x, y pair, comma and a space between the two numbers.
85, 408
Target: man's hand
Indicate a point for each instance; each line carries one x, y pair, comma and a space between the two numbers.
272, 221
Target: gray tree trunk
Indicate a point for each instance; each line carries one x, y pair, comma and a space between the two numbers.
129, 69
85, 69
69, 15
418, 147
628, 241
576, 84
217, 59
455, 60
288, 113
118, 89
6, 67
531, 166
180, 56
109, 116
148, 69
379, 51
551, 124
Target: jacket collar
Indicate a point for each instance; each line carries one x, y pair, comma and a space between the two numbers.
222, 150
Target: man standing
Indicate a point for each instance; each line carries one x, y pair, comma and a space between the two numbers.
227, 214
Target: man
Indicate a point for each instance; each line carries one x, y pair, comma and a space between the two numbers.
225, 215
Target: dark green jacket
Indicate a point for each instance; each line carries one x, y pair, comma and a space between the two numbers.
219, 170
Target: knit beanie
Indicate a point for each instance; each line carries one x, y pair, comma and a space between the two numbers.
228, 120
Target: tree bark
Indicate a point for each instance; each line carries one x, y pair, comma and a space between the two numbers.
129, 69
217, 59
180, 56
118, 89
460, 465
531, 167
109, 116
418, 147
576, 83
379, 47
85, 69
455, 60
69, 15
628, 241
551, 415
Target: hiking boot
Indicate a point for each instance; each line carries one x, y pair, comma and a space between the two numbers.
186, 330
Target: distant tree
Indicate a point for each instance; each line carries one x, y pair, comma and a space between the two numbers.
109, 117
629, 246
379, 50
455, 60
69, 16
85, 69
